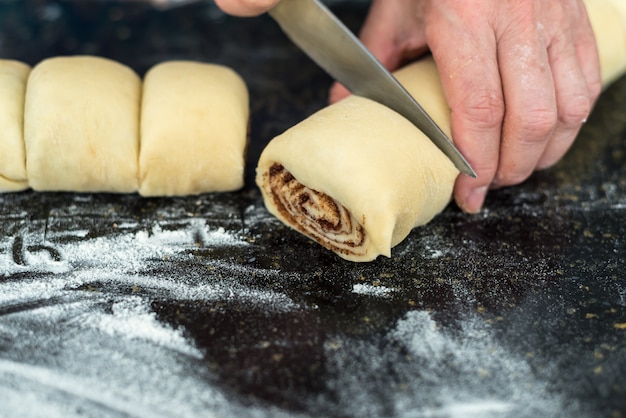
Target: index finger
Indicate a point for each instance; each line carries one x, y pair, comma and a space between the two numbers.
467, 62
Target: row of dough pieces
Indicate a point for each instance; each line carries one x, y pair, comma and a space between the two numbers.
89, 124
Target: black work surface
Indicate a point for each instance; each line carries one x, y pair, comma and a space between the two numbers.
114, 305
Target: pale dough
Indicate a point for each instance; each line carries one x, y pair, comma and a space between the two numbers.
367, 158
608, 19
13, 75
194, 129
357, 177
81, 125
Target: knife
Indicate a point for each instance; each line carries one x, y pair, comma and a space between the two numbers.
328, 42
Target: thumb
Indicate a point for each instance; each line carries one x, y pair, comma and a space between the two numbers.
392, 32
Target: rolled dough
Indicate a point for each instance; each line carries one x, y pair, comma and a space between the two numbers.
365, 160
357, 177
608, 19
194, 129
13, 75
81, 125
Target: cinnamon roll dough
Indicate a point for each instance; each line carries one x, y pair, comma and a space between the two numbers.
13, 75
357, 177
81, 125
194, 126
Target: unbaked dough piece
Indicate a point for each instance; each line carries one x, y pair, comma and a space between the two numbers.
608, 19
194, 129
13, 75
357, 177
81, 125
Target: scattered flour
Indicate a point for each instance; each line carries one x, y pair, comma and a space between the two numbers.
67, 345
127, 251
424, 370
370, 290
131, 319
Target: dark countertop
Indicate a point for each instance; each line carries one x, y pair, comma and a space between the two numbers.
114, 305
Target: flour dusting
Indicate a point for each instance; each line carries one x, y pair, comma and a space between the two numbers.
483, 378
100, 347
370, 290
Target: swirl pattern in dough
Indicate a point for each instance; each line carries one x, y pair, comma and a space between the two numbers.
316, 214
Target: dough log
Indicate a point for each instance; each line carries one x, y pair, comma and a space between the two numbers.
356, 177
194, 129
13, 76
89, 124
81, 125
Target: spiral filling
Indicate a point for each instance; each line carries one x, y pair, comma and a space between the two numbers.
316, 214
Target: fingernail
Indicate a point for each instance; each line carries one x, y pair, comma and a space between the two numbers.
473, 202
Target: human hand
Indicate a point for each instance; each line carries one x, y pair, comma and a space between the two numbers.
246, 8
520, 78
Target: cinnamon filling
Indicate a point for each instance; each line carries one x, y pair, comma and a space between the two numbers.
315, 214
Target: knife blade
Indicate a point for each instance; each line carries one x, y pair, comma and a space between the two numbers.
330, 44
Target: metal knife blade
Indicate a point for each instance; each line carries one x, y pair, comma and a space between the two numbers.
322, 36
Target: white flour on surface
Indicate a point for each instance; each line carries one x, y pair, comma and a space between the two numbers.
78, 336
371, 290
430, 246
98, 352
126, 251
131, 319
439, 373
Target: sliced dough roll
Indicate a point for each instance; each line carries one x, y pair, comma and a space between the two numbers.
194, 129
82, 125
13, 76
357, 177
